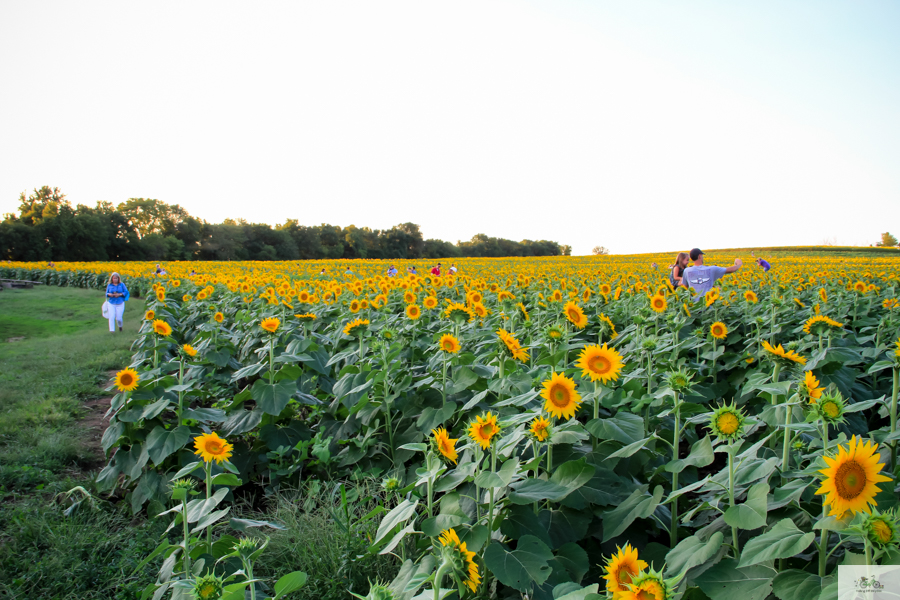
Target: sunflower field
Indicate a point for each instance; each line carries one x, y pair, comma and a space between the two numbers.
563, 428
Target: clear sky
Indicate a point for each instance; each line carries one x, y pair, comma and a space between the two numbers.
640, 126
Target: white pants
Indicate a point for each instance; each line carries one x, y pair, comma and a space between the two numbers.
115, 315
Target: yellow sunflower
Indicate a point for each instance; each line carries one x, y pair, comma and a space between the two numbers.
811, 388
210, 447
413, 311
187, 298
356, 327
777, 352
218, 317
162, 328
354, 306
718, 330
483, 429
575, 315
306, 317
750, 296
540, 429
561, 399
600, 363
851, 478
127, 380
469, 573
189, 350
445, 444
449, 344
429, 302
621, 569
149, 315
270, 324
658, 303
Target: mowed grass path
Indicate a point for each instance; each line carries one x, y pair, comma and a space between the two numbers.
45, 377
45, 380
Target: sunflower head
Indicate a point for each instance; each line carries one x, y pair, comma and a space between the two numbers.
210, 447
621, 569
599, 363
306, 317
356, 328
208, 587
779, 355
830, 407
750, 296
149, 315
727, 423
449, 344
391, 484
680, 381
461, 561
650, 343
189, 350
555, 333
607, 328
162, 328
881, 528
658, 303
575, 315
560, 398
430, 302
459, 313
718, 330
181, 488
649, 585
810, 387
483, 429
851, 478
413, 311
127, 380
540, 429
270, 324
443, 444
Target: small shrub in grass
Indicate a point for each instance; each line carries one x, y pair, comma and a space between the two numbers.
327, 537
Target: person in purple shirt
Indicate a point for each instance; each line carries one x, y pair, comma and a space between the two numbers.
764, 264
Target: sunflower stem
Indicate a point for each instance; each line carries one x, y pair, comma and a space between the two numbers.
491, 506
676, 435
894, 394
734, 530
786, 448
596, 411
444, 385
180, 391
714, 362
187, 551
208, 492
438, 578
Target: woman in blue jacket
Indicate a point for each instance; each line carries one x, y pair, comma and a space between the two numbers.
116, 295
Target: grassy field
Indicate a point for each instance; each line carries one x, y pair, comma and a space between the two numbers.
52, 376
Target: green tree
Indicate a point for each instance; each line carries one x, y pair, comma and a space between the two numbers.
887, 240
152, 216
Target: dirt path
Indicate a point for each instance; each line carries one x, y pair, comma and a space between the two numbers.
93, 424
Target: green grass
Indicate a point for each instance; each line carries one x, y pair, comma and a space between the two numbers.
46, 377
44, 554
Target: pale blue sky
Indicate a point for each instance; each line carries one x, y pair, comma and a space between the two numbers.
641, 126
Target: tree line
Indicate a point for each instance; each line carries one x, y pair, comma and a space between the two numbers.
48, 227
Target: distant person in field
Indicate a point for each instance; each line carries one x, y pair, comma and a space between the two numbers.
701, 277
453, 269
677, 269
158, 269
392, 271
436, 270
116, 295
764, 264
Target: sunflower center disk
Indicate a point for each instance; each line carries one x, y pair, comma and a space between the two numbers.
559, 396
600, 365
850, 480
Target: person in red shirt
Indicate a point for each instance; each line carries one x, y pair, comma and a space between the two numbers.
436, 270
